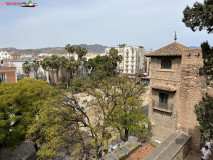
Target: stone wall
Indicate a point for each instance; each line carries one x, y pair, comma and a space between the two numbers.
174, 147
191, 92
183, 152
164, 123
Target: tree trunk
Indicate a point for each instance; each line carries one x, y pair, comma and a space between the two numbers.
45, 74
53, 79
36, 147
126, 134
57, 80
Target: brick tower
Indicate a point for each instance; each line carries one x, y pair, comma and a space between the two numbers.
175, 88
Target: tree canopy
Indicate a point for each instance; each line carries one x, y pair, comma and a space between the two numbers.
18, 108
63, 125
200, 16
104, 66
203, 111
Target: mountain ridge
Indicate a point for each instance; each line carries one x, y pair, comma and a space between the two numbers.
96, 48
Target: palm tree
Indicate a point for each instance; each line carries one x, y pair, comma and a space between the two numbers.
78, 51
45, 67
81, 52
26, 68
69, 49
70, 67
63, 62
35, 66
85, 65
53, 63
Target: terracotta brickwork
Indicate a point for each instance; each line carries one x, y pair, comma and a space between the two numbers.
10, 73
187, 90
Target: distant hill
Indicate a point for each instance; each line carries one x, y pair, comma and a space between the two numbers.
96, 48
193, 47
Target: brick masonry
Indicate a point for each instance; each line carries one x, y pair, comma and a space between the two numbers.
189, 91
10, 73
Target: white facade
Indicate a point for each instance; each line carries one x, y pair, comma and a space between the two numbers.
4, 55
133, 60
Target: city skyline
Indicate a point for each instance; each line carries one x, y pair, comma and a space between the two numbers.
151, 24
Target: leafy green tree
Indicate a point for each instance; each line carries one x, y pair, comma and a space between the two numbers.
127, 117
101, 67
119, 106
206, 69
200, 17
115, 58
204, 110
19, 107
26, 67
56, 129
35, 66
63, 124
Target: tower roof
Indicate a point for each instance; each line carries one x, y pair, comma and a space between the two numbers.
173, 49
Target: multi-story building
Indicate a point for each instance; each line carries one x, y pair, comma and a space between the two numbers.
7, 74
175, 87
16, 56
133, 60
4, 55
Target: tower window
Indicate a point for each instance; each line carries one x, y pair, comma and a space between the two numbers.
166, 64
163, 100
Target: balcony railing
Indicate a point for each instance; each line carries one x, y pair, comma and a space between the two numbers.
164, 107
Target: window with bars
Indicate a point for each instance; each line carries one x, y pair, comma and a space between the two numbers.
163, 100
166, 64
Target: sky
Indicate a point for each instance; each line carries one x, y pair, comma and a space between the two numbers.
55, 23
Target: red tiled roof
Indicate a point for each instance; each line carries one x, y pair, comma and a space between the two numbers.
164, 87
141, 152
173, 49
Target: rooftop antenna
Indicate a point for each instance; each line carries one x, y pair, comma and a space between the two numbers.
175, 37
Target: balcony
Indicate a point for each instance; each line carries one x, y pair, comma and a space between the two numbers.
163, 107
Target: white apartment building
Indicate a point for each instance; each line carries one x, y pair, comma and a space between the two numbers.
133, 60
4, 55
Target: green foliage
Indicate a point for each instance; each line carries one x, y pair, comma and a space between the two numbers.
18, 107
70, 49
200, 16
114, 58
204, 112
127, 116
80, 52
206, 69
64, 125
77, 85
56, 128
102, 67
